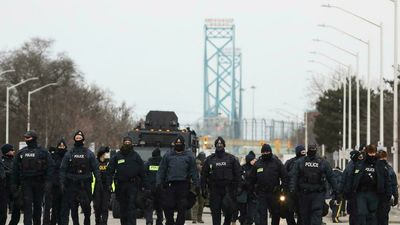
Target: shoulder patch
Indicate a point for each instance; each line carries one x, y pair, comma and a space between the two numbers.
120, 161
356, 171
260, 170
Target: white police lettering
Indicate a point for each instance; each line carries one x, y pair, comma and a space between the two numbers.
220, 164
372, 170
79, 156
30, 155
312, 164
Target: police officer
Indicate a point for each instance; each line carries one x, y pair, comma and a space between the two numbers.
101, 195
293, 205
3, 201
345, 187
221, 175
126, 168
55, 204
197, 210
177, 170
151, 168
246, 209
384, 206
11, 198
77, 169
369, 182
308, 179
33, 169
267, 178
336, 205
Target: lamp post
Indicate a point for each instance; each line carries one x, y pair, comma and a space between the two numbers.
367, 43
356, 55
28, 126
8, 105
380, 26
395, 147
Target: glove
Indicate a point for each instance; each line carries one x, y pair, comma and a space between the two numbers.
204, 193
395, 200
197, 190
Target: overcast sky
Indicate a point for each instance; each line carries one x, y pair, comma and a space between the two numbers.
150, 53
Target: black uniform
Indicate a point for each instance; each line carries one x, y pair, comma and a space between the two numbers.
346, 189
292, 201
246, 199
177, 169
77, 168
221, 174
126, 168
55, 204
3, 195
101, 195
308, 180
151, 169
268, 178
13, 199
336, 205
33, 170
369, 183
384, 205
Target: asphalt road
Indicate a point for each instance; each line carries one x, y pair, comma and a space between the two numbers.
394, 219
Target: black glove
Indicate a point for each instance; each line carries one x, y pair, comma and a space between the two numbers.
197, 190
204, 193
395, 200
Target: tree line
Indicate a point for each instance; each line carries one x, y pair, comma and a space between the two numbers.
57, 111
329, 121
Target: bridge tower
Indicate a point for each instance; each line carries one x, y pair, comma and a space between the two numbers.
222, 79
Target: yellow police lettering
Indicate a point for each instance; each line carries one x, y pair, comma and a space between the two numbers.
260, 170
121, 161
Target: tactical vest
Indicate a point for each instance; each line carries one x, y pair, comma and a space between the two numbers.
368, 180
312, 177
267, 174
79, 162
33, 162
127, 167
221, 169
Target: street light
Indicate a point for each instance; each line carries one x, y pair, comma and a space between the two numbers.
8, 105
395, 94
367, 43
6, 71
356, 55
380, 26
253, 121
28, 126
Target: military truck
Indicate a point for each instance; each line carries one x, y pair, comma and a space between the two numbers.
158, 130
